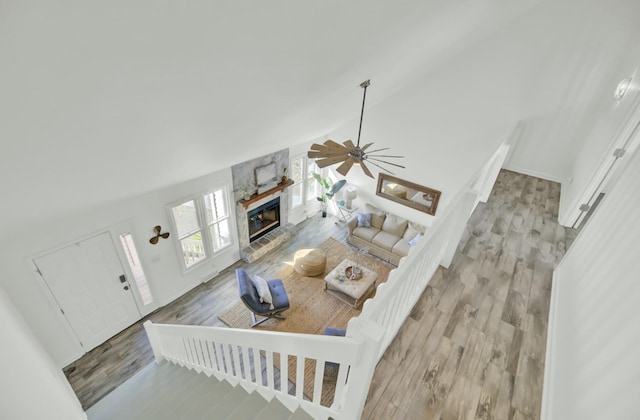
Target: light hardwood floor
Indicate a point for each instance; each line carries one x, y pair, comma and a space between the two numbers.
474, 344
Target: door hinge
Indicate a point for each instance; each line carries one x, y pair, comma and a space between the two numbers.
619, 153
585, 207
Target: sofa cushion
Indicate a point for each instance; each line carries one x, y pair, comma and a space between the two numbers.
401, 248
377, 216
385, 240
395, 225
366, 234
411, 232
364, 219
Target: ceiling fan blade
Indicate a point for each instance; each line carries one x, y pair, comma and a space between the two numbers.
384, 169
333, 144
165, 235
346, 166
366, 146
154, 240
384, 161
320, 155
157, 229
388, 156
330, 160
365, 169
378, 150
349, 144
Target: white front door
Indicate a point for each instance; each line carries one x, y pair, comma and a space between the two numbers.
88, 283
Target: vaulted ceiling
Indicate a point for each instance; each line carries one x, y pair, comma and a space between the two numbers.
100, 101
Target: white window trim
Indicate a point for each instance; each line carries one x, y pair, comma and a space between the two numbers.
200, 207
305, 182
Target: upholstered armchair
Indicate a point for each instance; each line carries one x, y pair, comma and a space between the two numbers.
264, 298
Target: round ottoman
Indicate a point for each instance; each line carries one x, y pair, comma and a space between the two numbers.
309, 262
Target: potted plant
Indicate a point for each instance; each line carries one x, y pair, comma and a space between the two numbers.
247, 189
329, 189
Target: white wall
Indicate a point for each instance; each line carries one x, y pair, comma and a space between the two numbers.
160, 262
592, 368
31, 386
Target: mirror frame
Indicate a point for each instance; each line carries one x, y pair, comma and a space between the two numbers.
410, 185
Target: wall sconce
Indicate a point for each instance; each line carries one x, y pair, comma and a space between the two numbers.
159, 235
621, 89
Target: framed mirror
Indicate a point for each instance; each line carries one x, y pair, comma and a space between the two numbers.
407, 193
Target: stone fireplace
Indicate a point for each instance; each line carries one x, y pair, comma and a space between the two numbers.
262, 220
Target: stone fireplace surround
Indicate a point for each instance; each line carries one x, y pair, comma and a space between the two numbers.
243, 172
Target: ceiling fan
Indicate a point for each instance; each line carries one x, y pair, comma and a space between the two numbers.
349, 154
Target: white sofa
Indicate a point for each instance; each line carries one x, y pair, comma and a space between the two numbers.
388, 236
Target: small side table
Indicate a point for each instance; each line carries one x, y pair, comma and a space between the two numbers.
346, 213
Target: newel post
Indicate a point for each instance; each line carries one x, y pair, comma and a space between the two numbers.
371, 336
154, 340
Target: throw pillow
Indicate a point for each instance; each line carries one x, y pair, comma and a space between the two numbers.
263, 290
394, 225
414, 241
364, 219
377, 216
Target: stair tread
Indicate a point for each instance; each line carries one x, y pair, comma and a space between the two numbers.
204, 406
249, 408
133, 389
227, 404
300, 414
196, 394
168, 394
274, 410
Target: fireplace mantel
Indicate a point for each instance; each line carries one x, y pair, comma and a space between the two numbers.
255, 197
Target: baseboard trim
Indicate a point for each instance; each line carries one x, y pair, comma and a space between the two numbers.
547, 383
534, 173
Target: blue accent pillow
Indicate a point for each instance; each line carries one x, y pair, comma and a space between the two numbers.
414, 241
364, 219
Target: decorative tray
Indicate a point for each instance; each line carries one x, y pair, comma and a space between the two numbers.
350, 275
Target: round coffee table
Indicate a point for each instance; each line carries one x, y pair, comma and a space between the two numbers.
309, 262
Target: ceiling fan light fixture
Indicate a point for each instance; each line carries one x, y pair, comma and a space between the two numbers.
348, 154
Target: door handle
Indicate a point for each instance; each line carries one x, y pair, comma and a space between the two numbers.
126, 287
122, 278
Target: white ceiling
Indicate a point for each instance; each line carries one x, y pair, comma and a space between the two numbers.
101, 101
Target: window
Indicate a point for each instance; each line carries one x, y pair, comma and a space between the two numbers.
136, 269
304, 187
202, 226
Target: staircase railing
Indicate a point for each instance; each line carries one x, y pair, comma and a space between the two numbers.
247, 357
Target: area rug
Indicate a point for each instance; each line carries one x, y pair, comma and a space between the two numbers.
312, 309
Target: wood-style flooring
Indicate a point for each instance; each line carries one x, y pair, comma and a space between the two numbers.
474, 345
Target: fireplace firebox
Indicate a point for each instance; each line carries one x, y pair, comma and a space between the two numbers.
263, 219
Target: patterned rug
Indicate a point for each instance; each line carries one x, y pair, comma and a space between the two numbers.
312, 309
